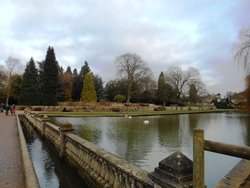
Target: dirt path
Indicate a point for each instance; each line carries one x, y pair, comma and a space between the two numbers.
11, 169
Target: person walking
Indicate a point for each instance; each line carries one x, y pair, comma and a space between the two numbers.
13, 109
7, 108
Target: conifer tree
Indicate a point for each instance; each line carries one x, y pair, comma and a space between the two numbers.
98, 87
79, 81
161, 92
88, 91
68, 84
29, 94
50, 78
193, 94
77, 86
60, 95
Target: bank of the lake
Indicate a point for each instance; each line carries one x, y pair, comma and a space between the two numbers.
135, 113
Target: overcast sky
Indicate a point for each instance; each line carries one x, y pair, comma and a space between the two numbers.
198, 33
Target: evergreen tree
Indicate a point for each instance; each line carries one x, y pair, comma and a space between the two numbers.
98, 87
29, 94
41, 81
68, 84
60, 89
77, 86
162, 92
88, 91
78, 81
15, 88
51, 80
193, 94
85, 70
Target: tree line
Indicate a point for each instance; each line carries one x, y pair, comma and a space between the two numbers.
46, 83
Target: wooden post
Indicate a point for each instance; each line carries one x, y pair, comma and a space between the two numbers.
198, 159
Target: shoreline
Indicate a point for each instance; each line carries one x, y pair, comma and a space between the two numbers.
136, 113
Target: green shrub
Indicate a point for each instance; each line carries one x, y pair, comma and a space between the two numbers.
120, 98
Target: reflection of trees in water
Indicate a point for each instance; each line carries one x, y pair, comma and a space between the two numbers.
88, 132
51, 171
168, 128
84, 127
245, 122
132, 138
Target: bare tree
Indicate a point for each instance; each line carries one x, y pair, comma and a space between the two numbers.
3, 76
180, 79
243, 49
243, 56
13, 65
132, 68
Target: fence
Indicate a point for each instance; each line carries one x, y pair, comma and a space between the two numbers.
200, 145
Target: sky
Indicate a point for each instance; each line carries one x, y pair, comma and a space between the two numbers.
197, 33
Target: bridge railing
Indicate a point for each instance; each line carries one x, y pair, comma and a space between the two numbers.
200, 145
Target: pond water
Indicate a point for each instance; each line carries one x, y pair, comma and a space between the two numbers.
51, 171
145, 145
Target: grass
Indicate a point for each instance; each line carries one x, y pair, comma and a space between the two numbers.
136, 113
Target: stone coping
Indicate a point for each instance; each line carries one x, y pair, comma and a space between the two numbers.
30, 177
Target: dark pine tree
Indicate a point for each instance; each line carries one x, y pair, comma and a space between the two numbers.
78, 81
41, 81
98, 87
60, 95
77, 86
161, 92
51, 79
29, 94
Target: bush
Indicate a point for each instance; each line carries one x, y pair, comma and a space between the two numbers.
115, 109
120, 98
37, 109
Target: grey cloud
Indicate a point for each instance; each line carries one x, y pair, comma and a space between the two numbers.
164, 33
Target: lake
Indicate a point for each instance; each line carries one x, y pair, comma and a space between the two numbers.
145, 145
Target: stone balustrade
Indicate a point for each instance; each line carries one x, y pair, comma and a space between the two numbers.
99, 167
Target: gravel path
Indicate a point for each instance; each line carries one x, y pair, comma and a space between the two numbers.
11, 168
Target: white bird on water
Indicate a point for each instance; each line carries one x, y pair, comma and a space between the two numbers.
146, 121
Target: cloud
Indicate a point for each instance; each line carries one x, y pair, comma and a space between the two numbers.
164, 33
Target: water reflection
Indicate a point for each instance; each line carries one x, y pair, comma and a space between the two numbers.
133, 139
147, 144
51, 171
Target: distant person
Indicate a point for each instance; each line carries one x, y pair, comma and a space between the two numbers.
1, 107
7, 108
13, 109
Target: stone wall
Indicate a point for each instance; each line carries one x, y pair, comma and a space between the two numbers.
99, 167
113, 107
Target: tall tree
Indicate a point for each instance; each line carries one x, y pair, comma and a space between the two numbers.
68, 84
3, 81
15, 88
85, 70
179, 79
98, 86
42, 84
243, 49
132, 68
12, 66
88, 91
113, 88
193, 94
77, 86
60, 95
243, 56
51, 79
161, 92
78, 81
29, 94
